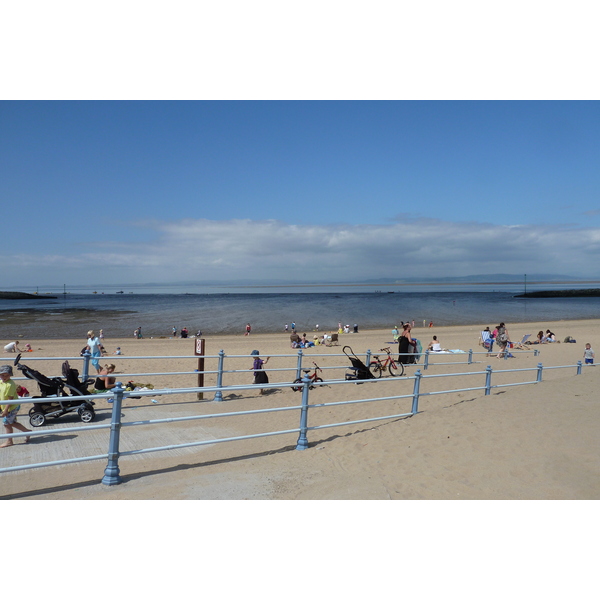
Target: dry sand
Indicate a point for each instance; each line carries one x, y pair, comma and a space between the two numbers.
534, 441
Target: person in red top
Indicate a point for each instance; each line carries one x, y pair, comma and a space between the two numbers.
248, 329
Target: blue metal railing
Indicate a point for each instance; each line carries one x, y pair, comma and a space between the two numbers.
112, 472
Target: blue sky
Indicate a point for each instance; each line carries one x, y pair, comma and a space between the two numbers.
153, 191
260, 142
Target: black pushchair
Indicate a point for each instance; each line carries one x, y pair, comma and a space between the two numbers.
358, 370
55, 390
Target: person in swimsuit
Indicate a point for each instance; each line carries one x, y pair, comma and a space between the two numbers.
104, 382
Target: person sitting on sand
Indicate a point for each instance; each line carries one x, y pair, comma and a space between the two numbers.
8, 391
104, 382
434, 345
550, 337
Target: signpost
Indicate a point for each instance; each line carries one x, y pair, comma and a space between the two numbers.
199, 352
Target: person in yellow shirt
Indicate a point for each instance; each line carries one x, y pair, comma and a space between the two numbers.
8, 391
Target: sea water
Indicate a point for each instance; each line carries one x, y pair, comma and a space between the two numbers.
71, 315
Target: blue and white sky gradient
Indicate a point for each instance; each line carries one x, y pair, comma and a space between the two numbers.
334, 189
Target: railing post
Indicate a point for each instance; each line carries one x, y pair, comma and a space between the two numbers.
111, 473
302, 443
579, 365
488, 380
219, 394
417, 386
426, 362
368, 358
535, 352
539, 372
470, 357
299, 366
85, 373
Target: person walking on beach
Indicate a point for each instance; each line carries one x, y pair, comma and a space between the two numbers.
588, 354
248, 329
8, 391
503, 339
93, 343
260, 376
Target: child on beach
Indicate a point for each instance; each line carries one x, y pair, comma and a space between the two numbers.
588, 355
260, 376
8, 391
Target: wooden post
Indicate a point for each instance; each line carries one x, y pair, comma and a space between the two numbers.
199, 352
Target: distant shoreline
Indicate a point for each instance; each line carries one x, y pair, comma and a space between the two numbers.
586, 293
24, 296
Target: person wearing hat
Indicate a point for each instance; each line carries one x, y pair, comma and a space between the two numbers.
260, 376
8, 391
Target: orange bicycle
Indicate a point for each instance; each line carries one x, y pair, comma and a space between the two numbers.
393, 367
313, 379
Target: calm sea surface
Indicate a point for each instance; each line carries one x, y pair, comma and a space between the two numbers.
72, 314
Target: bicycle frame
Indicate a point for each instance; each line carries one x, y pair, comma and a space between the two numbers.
394, 368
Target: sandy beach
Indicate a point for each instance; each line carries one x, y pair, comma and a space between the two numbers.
534, 441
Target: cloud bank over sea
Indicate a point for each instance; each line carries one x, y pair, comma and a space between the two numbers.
226, 250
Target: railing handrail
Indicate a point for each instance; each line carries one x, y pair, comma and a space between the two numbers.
118, 394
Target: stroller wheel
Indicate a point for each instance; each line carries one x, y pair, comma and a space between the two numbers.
37, 419
86, 414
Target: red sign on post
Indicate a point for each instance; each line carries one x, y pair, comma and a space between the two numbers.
199, 352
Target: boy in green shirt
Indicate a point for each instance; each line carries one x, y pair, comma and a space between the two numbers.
8, 391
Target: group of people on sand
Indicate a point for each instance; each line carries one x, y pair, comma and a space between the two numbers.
297, 341
499, 336
14, 347
545, 338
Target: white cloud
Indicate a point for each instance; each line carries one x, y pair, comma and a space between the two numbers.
259, 250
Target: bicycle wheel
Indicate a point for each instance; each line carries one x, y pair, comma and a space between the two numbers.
396, 369
297, 385
375, 368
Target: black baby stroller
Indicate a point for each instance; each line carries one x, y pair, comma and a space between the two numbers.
358, 370
53, 390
